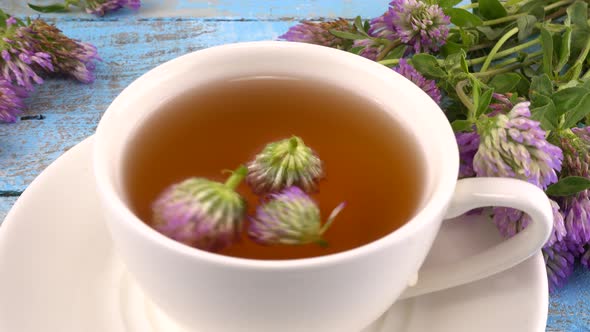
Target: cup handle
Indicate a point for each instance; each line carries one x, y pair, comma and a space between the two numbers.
474, 193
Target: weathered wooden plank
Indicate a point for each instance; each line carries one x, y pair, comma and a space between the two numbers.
30, 146
252, 9
71, 110
569, 310
5, 205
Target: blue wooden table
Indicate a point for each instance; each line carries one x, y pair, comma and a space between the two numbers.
131, 44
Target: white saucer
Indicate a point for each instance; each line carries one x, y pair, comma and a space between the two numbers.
58, 271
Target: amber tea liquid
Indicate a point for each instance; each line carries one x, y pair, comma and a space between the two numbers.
368, 158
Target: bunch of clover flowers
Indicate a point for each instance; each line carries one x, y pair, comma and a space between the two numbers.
516, 112
507, 142
209, 215
415, 25
31, 50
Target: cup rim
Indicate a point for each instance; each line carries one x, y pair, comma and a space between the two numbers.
433, 208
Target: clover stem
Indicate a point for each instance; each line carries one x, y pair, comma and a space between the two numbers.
389, 62
509, 68
506, 52
390, 46
557, 4
236, 177
464, 98
581, 59
504, 19
332, 216
293, 143
496, 47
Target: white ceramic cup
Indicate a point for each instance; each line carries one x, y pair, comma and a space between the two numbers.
343, 292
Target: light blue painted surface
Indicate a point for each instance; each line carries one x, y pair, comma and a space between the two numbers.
241, 9
132, 43
129, 48
290, 8
5, 205
570, 308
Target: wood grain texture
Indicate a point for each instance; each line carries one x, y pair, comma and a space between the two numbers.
129, 48
569, 309
242, 9
5, 205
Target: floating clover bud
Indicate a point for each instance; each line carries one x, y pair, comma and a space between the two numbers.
283, 164
290, 217
202, 213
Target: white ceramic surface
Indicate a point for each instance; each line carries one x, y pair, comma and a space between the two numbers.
336, 293
59, 272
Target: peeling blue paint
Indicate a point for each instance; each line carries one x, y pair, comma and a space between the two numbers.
570, 307
129, 49
5, 205
256, 9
